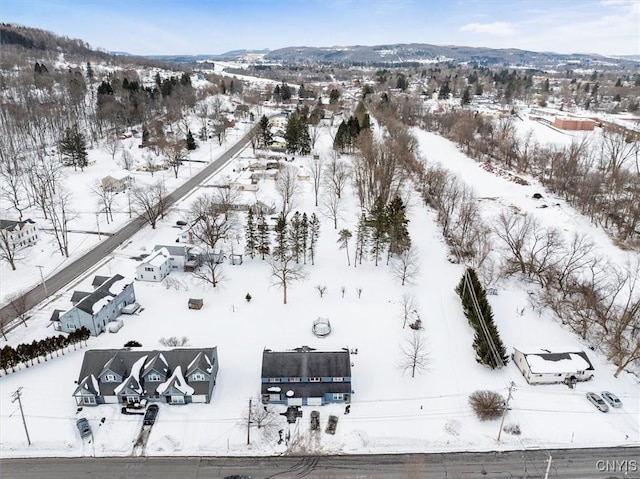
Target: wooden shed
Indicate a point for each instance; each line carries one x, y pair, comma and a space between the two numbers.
195, 303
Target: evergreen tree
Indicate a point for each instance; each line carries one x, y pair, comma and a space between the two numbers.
466, 97
191, 142
314, 234
281, 248
362, 240
292, 132
341, 140
285, 92
265, 131
304, 231
480, 317
343, 240
379, 229
334, 96
264, 237
444, 92
251, 235
74, 147
398, 234
89, 71
295, 236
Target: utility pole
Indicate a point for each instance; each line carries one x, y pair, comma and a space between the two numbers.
16, 397
249, 422
98, 223
44, 284
504, 413
546, 474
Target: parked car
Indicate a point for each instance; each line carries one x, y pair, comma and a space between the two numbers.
598, 402
150, 415
612, 399
83, 426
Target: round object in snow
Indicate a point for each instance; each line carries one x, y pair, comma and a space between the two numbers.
321, 327
290, 393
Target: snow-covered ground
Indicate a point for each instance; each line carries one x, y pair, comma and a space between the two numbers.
390, 411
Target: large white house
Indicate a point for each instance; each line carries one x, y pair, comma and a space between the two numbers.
543, 366
154, 267
18, 234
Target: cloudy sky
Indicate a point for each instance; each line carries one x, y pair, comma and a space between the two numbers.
147, 27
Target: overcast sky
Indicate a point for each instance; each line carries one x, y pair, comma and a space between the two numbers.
150, 27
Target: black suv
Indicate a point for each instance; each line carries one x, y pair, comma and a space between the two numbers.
150, 415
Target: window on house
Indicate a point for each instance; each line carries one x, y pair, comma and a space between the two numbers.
197, 377
274, 397
177, 399
338, 380
88, 399
315, 380
146, 268
294, 380
110, 378
274, 380
338, 396
154, 377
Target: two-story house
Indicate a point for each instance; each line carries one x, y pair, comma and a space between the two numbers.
94, 310
155, 267
18, 234
176, 376
306, 377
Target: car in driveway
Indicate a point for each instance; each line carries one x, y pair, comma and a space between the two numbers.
83, 426
612, 399
150, 415
598, 402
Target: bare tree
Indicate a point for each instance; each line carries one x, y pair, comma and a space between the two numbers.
112, 145
332, 206
20, 306
618, 147
322, 289
12, 188
288, 188
148, 202
175, 152
214, 221
414, 356
404, 265
409, 308
106, 198
58, 209
9, 252
315, 172
126, 160
514, 230
284, 272
263, 417
336, 175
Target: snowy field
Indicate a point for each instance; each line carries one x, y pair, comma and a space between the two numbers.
390, 412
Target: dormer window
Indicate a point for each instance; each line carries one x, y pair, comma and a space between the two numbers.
153, 377
110, 378
197, 377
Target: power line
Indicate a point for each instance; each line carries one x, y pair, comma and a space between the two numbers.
16, 397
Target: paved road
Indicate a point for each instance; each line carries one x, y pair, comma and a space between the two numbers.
85, 262
566, 464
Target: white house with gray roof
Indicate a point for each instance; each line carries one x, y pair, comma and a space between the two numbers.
176, 376
154, 267
546, 366
96, 309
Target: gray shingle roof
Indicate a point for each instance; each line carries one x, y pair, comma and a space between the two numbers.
305, 363
102, 291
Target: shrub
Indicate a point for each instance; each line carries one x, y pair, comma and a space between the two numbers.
487, 404
174, 341
513, 429
132, 344
248, 297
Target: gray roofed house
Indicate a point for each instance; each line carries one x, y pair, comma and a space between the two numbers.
18, 234
177, 376
304, 376
94, 310
544, 366
179, 256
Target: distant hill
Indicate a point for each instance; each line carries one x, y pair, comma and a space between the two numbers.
425, 53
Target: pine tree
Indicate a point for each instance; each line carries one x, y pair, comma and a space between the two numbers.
265, 132
304, 232
314, 234
264, 236
398, 234
341, 140
295, 236
343, 240
379, 229
362, 240
89, 71
191, 142
480, 317
281, 248
466, 97
74, 147
251, 235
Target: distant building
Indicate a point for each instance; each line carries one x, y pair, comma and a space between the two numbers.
176, 376
305, 377
116, 184
570, 123
18, 234
96, 309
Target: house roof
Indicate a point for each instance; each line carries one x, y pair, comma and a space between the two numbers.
104, 290
157, 258
15, 225
305, 362
55, 316
558, 362
78, 296
98, 280
124, 362
173, 250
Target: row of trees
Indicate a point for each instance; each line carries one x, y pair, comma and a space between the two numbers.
23, 353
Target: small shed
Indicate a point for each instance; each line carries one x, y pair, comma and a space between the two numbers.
195, 303
235, 259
